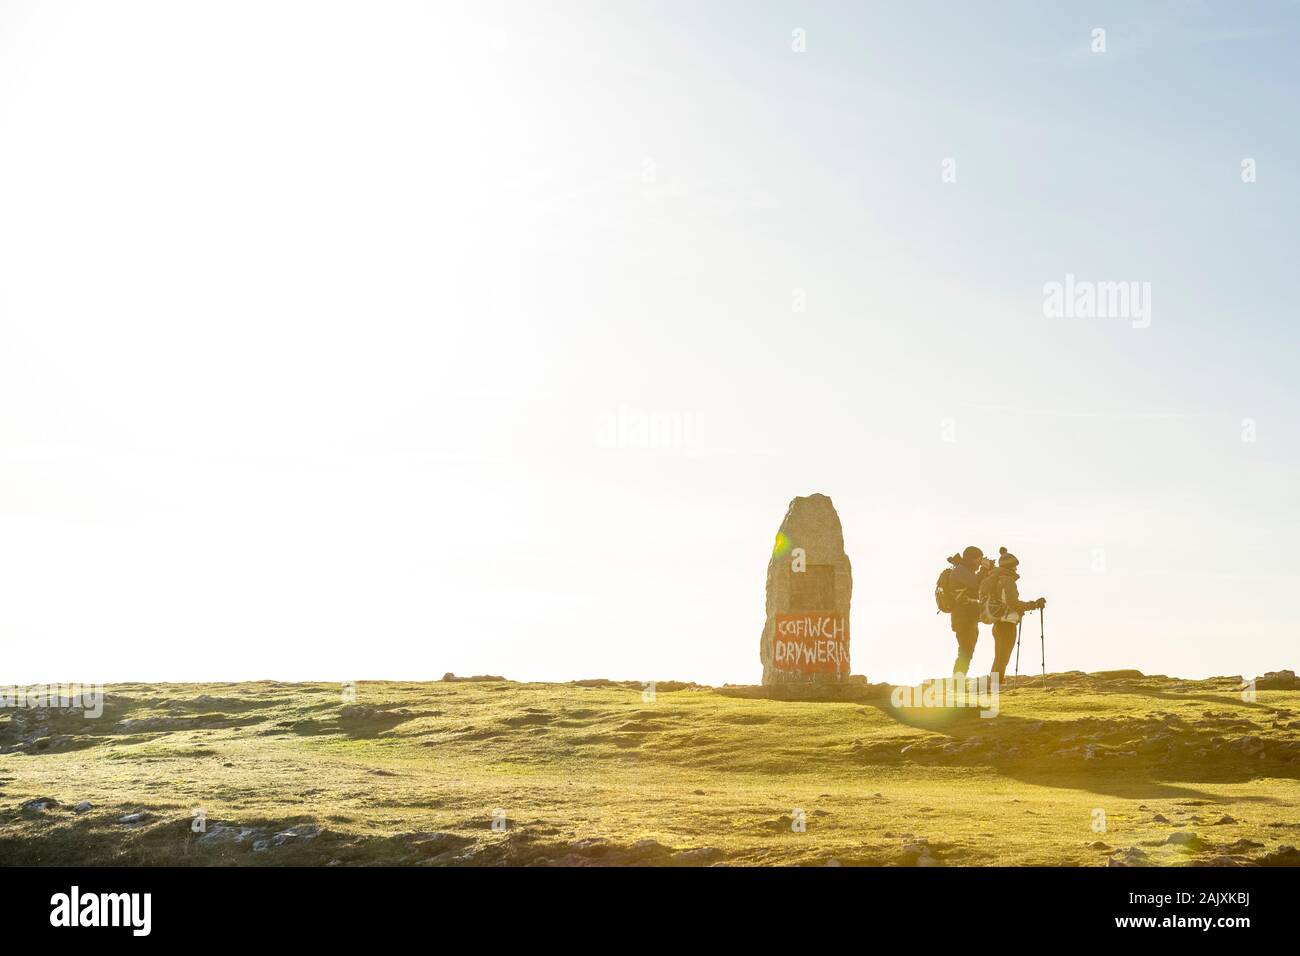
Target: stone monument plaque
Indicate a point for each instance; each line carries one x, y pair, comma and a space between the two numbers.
809, 586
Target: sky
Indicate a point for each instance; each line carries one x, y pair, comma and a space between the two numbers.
346, 341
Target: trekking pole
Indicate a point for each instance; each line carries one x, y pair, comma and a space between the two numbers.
1042, 644
1020, 624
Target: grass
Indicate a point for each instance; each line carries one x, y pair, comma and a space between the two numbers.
412, 773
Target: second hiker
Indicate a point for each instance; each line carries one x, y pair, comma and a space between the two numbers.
1000, 605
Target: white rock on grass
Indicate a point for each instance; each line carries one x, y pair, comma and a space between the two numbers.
221, 833
304, 831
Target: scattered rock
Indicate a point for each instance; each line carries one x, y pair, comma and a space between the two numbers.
1130, 856
168, 724
359, 712
1185, 839
1248, 745
38, 805
1242, 845
303, 831
223, 833
1276, 680
82, 807
918, 853
433, 843
1282, 856
646, 846
781, 824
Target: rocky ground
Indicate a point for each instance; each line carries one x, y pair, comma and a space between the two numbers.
1113, 769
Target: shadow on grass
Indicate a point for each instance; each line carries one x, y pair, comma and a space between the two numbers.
1132, 758
1222, 701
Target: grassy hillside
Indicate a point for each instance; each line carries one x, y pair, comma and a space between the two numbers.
411, 773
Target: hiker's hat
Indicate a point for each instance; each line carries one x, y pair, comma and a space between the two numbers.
973, 553
1007, 559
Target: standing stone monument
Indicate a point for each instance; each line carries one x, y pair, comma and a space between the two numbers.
809, 586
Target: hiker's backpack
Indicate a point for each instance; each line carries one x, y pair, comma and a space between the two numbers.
943, 596
993, 601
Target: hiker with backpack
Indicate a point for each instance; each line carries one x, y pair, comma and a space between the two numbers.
1000, 605
957, 594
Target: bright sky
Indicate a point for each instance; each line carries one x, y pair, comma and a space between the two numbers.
327, 331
